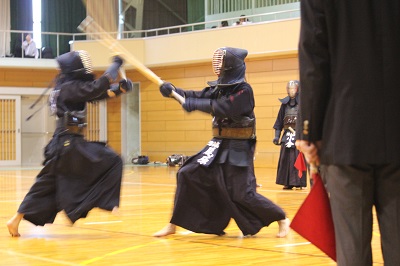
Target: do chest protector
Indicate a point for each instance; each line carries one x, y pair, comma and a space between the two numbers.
74, 121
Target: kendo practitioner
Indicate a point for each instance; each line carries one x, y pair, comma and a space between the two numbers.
218, 183
78, 175
287, 174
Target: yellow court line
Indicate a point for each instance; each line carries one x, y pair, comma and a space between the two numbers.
86, 262
129, 173
33, 257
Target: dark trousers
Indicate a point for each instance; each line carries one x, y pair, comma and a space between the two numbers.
208, 197
354, 191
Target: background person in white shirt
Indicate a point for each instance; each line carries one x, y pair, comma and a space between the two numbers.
242, 21
29, 46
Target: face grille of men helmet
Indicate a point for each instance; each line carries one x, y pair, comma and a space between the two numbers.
228, 64
292, 88
75, 62
86, 61
76, 65
217, 61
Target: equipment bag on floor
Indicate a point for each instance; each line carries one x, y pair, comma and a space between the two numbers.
176, 159
142, 159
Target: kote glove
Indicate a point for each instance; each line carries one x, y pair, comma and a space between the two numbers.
192, 104
112, 70
124, 86
166, 89
277, 136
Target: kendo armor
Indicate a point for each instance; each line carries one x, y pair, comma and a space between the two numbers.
292, 89
234, 129
290, 116
75, 65
291, 101
228, 64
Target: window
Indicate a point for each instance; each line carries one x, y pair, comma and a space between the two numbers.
37, 22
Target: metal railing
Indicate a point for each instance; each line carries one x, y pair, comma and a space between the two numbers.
225, 6
60, 42
270, 16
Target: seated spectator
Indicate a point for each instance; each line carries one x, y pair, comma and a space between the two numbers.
29, 47
47, 52
242, 21
224, 24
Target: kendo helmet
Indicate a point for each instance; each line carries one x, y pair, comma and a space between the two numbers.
292, 88
76, 65
228, 64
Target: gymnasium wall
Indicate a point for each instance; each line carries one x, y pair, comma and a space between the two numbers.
167, 129
185, 60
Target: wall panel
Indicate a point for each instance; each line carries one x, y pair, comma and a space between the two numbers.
185, 60
163, 123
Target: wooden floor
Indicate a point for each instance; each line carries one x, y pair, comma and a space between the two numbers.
126, 239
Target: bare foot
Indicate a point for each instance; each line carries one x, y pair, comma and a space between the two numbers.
115, 211
283, 227
169, 229
13, 224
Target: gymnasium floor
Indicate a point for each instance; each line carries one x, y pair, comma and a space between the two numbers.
126, 238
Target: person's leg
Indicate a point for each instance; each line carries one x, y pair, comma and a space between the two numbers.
351, 198
251, 210
388, 211
198, 206
39, 205
169, 229
93, 182
282, 173
13, 224
284, 227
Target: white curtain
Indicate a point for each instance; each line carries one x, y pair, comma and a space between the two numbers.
5, 26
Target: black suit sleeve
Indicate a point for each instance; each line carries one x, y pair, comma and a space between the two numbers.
315, 77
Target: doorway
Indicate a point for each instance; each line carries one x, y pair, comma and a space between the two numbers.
130, 124
10, 130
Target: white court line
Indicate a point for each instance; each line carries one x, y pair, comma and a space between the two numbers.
293, 245
186, 232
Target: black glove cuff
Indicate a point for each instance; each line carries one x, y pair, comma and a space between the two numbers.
126, 84
277, 133
204, 105
112, 72
118, 60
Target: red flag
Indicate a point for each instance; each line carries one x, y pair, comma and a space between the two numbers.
313, 220
300, 164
